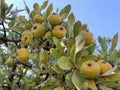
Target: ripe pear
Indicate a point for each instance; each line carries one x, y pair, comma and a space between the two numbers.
89, 39
59, 31
38, 18
23, 55
26, 38
90, 69
105, 66
54, 19
38, 30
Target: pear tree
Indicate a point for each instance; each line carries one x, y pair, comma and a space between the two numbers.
50, 50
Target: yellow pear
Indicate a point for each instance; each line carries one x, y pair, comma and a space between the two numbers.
38, 18
23, 55
54, 19
38, 30
90, 69
105, 66
26, 38
89, 39
59, 31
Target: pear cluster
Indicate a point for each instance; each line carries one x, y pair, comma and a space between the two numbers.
91, 69
40, 30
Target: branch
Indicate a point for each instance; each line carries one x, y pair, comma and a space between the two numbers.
43, 82
3, 28
4, 39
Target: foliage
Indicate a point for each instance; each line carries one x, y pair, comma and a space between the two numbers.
54, 63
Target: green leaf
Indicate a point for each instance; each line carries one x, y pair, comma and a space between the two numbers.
89, 57
49, 10
103, 44
76, 28
114, 42
1, 78
17, 28
86, 58
10, 7
36, 6
68, 80
55, 53
84, 27
91, 48
71, 19
64, 63
69, 42
79, 42
105, 88
72, 51
76, 79
26, 7
58, 45
65, 10
110, 84
22, 20
57, 69
91, 84
113, 77
44, 5
43, 58
46, 88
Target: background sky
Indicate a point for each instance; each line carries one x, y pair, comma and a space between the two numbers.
101, 16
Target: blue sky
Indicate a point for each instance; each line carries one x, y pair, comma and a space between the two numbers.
101, 16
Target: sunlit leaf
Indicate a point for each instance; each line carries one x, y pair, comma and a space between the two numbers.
64, 63
44, 5
49, 10
71, 19
113, 77
65, 10
77, 80
79, 42
58, 44
89, 57
91, 84
114, 42
55, 53
22, 20
57, 69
